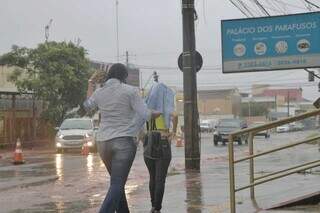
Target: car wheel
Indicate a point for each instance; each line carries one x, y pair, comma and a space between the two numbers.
215, 142
240, 141
223, 143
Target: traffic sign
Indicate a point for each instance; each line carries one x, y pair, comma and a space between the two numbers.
199, 61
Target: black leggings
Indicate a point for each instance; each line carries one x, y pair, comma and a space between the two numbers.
158, 169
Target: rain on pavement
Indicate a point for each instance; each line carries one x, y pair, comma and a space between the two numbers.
70, 182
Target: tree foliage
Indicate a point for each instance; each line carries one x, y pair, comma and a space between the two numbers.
56, 72
255, 109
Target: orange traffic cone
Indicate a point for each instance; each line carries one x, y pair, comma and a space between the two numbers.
179, 142
85, 149
17, 155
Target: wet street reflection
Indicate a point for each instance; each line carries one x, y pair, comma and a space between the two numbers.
59, 206
194, 192
59, 166
90, 165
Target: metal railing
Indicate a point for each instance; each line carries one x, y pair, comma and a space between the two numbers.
272, 176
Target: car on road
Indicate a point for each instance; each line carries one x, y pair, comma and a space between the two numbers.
74, 132
205, 127
265, 133
296, 126
283, 128
225, 127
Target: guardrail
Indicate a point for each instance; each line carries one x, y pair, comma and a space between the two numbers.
272, 176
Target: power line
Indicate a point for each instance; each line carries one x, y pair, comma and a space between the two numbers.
239, 8
262, 8
311, 3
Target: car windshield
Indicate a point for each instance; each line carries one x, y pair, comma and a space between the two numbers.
76, 124
204, 125
229, 123
258, 124
285, 125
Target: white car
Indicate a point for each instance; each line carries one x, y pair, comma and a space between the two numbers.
283, 128
74, 132
264, 133
205, 127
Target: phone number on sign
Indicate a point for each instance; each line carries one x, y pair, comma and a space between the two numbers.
254, 64
269, 63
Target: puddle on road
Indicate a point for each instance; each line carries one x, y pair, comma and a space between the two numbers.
61, 207
37, 171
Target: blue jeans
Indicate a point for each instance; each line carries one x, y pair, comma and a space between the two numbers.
117, 155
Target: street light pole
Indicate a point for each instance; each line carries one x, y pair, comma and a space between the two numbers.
191, 116
117, 28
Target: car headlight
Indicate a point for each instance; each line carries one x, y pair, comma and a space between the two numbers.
87, 135
58, 145
59, 136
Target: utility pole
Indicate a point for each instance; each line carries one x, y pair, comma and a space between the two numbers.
47, 30
288, 103
117, 28
191, 116
127, 58
249, 106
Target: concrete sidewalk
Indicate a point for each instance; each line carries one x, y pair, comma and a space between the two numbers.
208, 192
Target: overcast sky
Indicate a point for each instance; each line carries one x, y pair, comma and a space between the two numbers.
150, 30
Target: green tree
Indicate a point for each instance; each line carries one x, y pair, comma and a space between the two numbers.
56, 72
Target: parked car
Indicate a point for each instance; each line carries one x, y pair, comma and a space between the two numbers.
296, 126
265, 133
206, 127
283, 128
227, 126
74, 132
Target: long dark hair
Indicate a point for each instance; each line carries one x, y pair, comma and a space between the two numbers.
117, 71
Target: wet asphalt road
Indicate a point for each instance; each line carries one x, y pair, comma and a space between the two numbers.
70, 182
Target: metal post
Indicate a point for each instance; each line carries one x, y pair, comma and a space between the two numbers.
191, 116
249, 108
288, 103
117, 28
231, 176
251, 165
14, 132
127, 58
